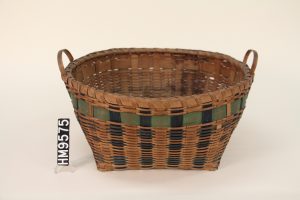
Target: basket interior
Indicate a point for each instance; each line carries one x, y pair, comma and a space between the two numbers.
158, 74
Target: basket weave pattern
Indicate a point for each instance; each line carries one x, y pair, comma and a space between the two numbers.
157, 108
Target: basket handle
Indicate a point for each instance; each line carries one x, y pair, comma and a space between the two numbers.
60, 61
254, 62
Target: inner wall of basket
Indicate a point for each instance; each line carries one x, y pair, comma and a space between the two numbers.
158, 74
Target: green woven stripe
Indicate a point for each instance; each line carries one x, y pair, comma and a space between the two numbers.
243, 101
161, 121
83, 107
101, 113
235, 106
74, 100
219, 113
192, 118
130, 118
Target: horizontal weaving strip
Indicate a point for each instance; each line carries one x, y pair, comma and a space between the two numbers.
163, 121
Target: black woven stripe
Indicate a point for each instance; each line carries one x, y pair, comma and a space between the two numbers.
203, 144
145, 133
173, 161
207, 116
115, 116
146, 160
176, 134
199, 162
176, 120
206, 130
117, 143
175, 146
115, 130
146, 145
145, 121
119, 160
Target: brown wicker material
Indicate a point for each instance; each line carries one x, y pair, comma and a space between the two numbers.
157, 108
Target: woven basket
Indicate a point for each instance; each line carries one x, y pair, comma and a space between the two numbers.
145, 108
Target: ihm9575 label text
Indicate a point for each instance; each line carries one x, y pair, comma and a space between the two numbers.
63, 144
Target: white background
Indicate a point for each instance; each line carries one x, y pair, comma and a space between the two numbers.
262, 158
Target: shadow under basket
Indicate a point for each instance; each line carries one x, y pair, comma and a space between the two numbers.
143, 108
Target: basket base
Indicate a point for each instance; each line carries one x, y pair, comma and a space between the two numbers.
104, 168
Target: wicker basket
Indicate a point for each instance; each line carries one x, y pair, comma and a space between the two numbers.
157, 108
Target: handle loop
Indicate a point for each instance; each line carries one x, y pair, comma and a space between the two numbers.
60, 61
254, 62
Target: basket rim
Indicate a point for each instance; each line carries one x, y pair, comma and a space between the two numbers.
116, 98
